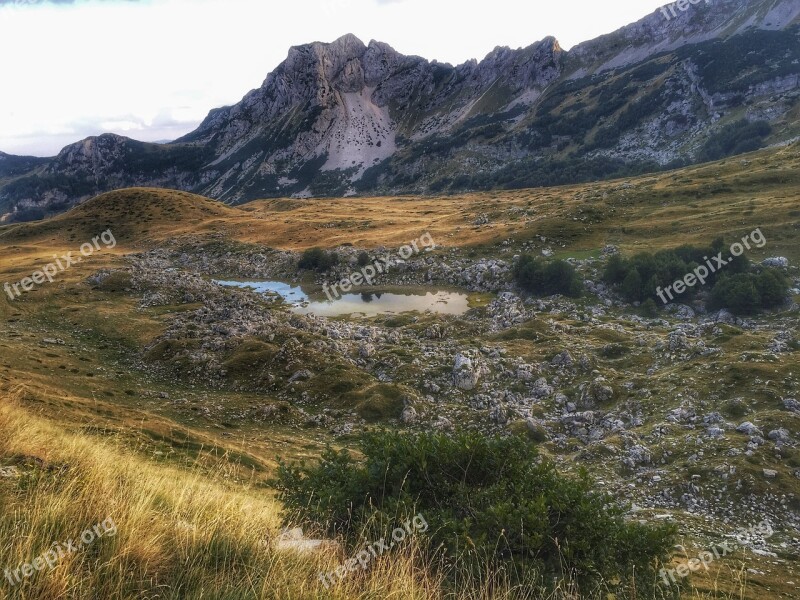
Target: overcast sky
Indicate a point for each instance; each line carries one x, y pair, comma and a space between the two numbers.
152, 69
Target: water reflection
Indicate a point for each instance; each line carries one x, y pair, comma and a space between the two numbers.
370, 303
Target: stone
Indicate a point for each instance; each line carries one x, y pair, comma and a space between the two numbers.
541, 389
465, 373
292, 540
302, 375
792, 405
776, 261
780, 436
678, 340
748, 428
597, 392
409, 416
564, 359
9, 472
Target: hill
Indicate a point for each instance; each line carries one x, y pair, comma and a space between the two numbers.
133, 377
702, 202
135, 215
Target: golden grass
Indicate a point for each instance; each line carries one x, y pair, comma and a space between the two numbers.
181, 533
664, 210
201, 527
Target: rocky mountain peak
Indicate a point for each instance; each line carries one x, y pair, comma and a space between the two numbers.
349, 44
347, 117
672, 27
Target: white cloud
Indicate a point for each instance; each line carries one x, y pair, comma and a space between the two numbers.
152, 69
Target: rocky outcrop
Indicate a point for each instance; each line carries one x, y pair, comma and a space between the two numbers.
466, 372
348, 117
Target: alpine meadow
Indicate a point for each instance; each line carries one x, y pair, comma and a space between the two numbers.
524, 328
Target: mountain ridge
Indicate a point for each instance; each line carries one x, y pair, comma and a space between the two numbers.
344, 118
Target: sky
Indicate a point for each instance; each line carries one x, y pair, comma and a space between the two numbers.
152, 69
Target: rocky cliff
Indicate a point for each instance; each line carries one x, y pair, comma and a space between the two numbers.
718, 78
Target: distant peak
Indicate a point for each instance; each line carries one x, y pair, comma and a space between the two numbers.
347, 44
348, 40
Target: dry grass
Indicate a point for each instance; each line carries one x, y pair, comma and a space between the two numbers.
692, 205
181, 533
200, 527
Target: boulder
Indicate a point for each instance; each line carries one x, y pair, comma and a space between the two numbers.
776, 261
748, 428
465, 373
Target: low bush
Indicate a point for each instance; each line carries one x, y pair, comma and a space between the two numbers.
490, 502
747, 293
316, 259
734, 286
547, 278
639, 277
736, 138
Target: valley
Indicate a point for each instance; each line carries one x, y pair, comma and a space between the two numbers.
136, 365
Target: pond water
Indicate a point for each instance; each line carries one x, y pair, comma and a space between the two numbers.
371, 302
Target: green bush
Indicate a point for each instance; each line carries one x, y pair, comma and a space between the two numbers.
736, 138
24, 215
363, 259
649, 309
316, 259
640, 276
489, 502
773, 287
632, 286
747, 293
547, 278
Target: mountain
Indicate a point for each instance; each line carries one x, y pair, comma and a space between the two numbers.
11, 166
349, 118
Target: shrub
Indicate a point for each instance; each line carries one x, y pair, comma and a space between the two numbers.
547, 278
746, 293
649, 309
736, 138
489, 502
616, 269
772, 287
737, 293
640, 276
363, 259
632, 287
27, 214
316, 259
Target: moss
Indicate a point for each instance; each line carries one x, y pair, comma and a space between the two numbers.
381, 402
534, 433
249, 358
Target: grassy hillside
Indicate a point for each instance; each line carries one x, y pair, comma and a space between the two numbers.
690, 205
93, 425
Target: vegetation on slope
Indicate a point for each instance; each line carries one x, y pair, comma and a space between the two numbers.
490, 503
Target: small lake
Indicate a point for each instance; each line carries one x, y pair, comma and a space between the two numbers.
371, 302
